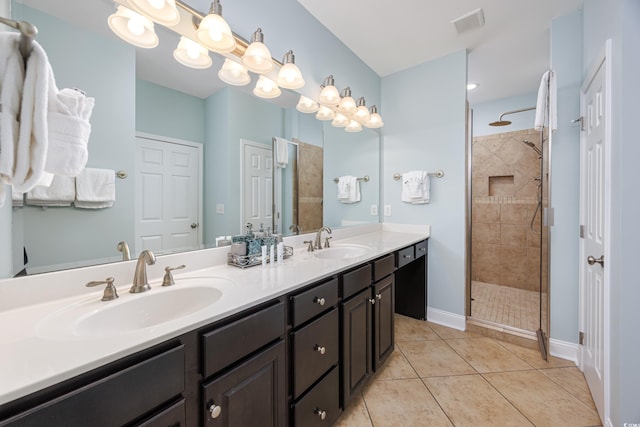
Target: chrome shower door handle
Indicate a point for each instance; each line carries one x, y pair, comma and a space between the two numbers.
591, 260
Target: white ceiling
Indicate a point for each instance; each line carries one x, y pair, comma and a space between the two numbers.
506, 57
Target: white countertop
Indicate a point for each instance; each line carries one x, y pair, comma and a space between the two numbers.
32, 356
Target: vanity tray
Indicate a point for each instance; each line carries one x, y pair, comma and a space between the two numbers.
244, 261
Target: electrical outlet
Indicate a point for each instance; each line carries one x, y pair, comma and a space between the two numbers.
374, 210
220, 208
387, 210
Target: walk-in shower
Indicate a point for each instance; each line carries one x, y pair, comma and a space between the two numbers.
508, 241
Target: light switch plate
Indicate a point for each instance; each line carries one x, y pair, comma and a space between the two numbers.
374, 210
219, 208
387, 210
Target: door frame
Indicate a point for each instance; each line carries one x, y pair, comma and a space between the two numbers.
197, 146
603, 60
243, 144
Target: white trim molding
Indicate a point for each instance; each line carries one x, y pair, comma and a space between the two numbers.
564, 350
445, 318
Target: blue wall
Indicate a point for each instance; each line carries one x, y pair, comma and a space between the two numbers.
425, 130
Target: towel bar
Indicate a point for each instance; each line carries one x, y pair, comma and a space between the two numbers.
121, 174
364, 178
438, 174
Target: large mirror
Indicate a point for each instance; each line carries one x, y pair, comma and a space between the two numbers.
137, 121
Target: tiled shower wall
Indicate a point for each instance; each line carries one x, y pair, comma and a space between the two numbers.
504, 250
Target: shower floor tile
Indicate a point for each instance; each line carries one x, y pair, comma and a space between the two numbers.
505, 305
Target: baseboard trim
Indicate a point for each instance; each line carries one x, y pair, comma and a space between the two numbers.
446, 318
564, 350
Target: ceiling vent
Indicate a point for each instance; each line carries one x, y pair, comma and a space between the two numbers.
469, 21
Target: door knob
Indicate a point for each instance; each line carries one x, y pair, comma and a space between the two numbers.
214, 410
591, 260
194, 225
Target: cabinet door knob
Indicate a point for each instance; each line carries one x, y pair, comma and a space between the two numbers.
372, 301
320, 349
319, 300
319, 412
379, 296
215, 410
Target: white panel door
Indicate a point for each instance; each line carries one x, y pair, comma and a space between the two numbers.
593, 261
257, 185
167, 196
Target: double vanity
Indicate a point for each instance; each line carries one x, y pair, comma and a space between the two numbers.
289, 343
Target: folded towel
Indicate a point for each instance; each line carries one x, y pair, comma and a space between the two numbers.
344, 185
546, 106
282, 152
354, 190
69, 131
17, 198
61, 193
415, 187
95, 189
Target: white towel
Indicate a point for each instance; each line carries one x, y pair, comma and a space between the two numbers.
546, 106
348, 189
17, 198
416, 187
282, 152
354, 190
69, 130
95, 189
61, 193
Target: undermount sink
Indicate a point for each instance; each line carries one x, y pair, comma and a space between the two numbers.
342, 251
131, 312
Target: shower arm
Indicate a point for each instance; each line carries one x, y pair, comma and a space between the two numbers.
515, 111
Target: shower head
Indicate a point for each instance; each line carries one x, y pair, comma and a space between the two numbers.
501, 122
532, 146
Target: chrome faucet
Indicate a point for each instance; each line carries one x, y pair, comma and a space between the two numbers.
318, 244
124, 248
295, 228
140, 283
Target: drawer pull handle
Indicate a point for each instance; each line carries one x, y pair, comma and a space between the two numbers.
422, 249
215, 410
379, 296
372, 301
319, 412
320, 349
319, 300
407, 256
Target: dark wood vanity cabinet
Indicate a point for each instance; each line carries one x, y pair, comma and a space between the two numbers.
411, 281
367, 311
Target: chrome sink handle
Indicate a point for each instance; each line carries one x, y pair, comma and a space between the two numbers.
326, 241
310, 247
168, 276
110, 292
140, 282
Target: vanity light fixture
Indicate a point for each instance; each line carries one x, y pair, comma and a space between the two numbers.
340, 121
348, 104
133, 28
192, 54
289, 76
214, 32
362, 113
163, 12
375, 121
307, 105
325, 113
266, 88
329, 95
472, 86
257, 57
233, 73
353, 126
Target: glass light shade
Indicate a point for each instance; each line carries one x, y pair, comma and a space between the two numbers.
257, 58
215, 34
133, 28
353, 126
347, 105
163, 12
306, 105
340, 121
192, 54
233, 73
325, 113
290, 77
329, 96
266, 88
362, 114
375, 121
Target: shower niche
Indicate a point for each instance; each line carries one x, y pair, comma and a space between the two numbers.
501, 186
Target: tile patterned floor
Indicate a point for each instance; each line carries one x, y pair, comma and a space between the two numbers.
439, 376
505, 305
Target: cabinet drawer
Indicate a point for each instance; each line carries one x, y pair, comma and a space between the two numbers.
116, 399
405, 256
421, 248
383, 267
232, 342
309, 304
172, 416
356, 280
315, 350
321, 400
